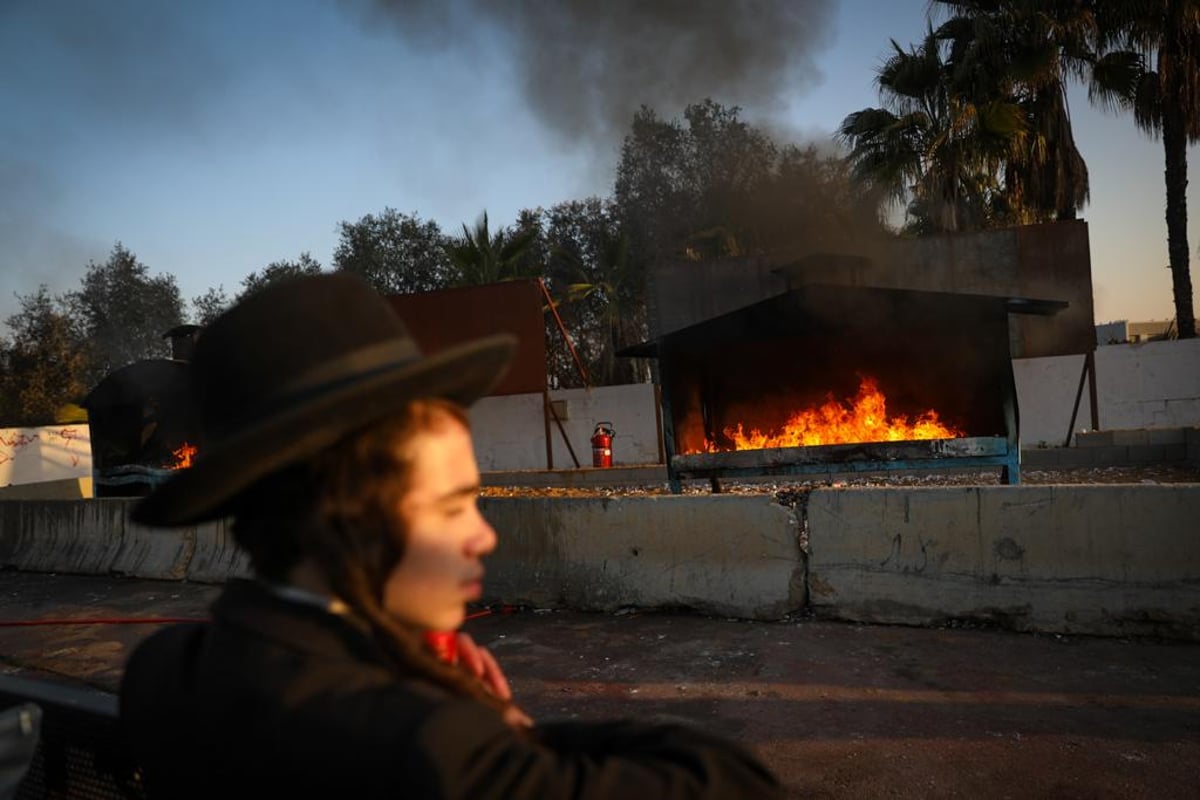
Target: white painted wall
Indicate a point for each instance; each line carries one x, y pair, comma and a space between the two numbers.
1046, 390
1148, 385
510, 433
34, 455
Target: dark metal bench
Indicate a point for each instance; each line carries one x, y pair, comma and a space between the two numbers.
81, 752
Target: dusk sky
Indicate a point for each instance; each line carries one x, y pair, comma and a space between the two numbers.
212, 138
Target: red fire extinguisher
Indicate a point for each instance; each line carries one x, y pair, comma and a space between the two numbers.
602, 444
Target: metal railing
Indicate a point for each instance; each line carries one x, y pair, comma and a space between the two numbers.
81, 751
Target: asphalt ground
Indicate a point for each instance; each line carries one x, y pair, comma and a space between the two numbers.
837, 710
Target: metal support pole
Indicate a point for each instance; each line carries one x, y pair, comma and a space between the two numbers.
1087, 367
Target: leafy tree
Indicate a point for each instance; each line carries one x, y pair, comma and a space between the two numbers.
531, 261
396, 253
482, 256
210, 305
44, 365
1162, 39
277, 271
124, 312
713, 185
599, 285
677, 183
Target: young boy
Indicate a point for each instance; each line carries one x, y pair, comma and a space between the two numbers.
343, 456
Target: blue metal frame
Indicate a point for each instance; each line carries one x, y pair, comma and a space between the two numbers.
987, 451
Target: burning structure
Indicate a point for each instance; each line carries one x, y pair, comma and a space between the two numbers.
141, 416
832, 363
141, 421
826, 378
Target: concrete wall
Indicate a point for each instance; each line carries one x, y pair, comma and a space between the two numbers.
1150, 385
1114, 560
510, 432
50, 453
1107, 560
1050, 261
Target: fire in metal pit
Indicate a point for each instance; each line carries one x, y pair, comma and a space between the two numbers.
183, 456
862, 418
927, 378
142, 422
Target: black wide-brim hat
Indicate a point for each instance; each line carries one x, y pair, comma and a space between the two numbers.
294, 368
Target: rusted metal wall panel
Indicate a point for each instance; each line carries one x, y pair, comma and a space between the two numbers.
447, 317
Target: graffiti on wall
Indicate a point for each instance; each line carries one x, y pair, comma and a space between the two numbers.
30, 455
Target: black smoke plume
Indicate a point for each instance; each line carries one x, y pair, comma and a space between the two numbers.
586, 66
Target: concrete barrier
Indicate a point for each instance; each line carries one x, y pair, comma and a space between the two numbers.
1113, 559
728, 555
217, 558
1110, 560
90, 537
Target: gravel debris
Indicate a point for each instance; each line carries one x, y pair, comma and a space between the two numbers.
793, 490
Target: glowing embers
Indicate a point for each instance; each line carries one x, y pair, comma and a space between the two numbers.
183, 456
862, 418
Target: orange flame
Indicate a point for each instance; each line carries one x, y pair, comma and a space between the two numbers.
860, 419
183, 455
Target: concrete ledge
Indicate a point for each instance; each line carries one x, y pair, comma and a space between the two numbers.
1119, 448
1114, 560
584, 477
737, 556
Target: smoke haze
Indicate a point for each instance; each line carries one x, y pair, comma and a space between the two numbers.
586, 67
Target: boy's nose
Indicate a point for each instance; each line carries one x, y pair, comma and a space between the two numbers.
484, 540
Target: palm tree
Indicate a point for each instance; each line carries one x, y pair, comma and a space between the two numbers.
1164, 36
612, 290
931, 145
977, 132
1139, 55
483, 257
1022, 52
